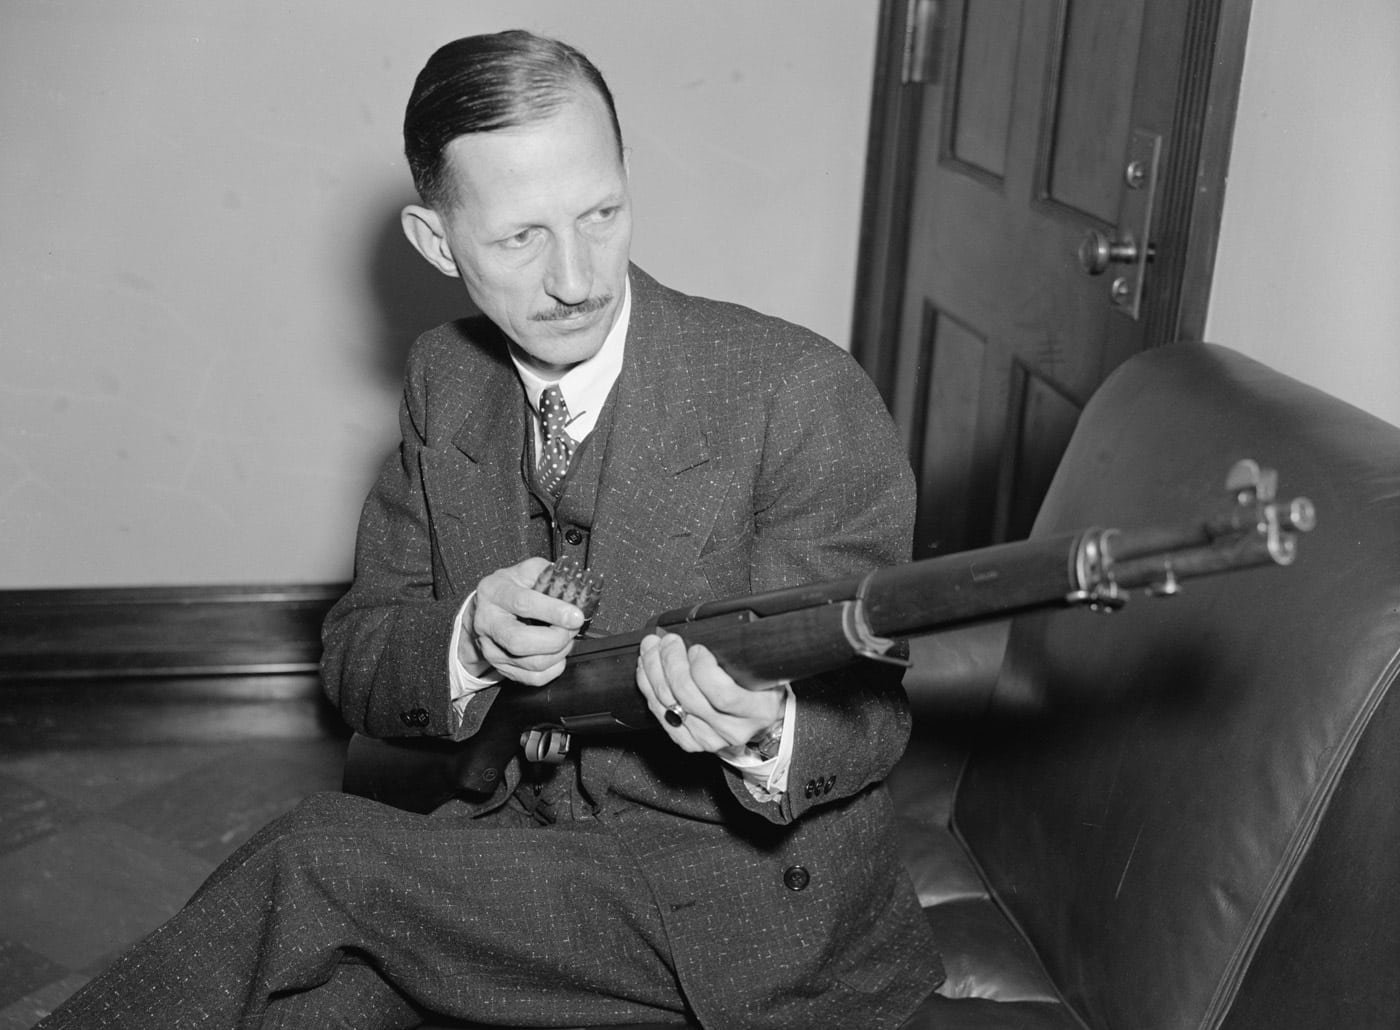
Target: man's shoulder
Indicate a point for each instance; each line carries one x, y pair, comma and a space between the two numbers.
454, 369
706, 314
730, 334
462, 357
473, 342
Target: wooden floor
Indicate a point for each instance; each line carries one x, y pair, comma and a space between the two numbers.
102, 839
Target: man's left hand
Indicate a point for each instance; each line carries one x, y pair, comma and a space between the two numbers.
698, 703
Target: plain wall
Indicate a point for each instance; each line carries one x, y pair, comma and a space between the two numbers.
205, 299
1307, 275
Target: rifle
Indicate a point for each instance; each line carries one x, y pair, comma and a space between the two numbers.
789, 634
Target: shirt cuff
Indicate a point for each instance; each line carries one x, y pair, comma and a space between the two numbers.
465, 681
767, 779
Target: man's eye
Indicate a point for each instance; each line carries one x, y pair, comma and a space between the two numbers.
520, 239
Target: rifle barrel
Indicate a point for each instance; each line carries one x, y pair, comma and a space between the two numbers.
990, 582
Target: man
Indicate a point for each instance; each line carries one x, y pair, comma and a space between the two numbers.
735, 868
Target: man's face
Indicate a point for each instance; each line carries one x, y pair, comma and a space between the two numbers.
541, 230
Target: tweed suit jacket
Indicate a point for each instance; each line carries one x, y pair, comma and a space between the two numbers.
745, 454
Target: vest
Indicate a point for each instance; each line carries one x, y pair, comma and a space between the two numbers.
565, 526
551, 792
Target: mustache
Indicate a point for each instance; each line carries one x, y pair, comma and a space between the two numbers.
586, 307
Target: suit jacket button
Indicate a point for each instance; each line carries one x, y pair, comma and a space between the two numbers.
573, 536
830, 782
414, 717
810, 788
796, 878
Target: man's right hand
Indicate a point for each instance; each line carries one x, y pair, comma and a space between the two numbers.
521, 633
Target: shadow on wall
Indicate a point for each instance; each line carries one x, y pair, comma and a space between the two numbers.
407, 297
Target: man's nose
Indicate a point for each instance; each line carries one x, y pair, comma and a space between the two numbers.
569, 274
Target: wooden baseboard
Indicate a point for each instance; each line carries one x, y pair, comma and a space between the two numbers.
143, 632
148, 665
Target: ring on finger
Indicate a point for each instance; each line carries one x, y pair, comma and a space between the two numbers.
675, 714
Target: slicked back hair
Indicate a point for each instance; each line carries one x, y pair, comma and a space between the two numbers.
482, 83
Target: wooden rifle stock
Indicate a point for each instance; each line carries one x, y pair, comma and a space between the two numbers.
789, 634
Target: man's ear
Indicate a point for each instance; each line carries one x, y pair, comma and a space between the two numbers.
424, 229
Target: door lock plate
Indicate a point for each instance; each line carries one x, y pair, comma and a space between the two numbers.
1135, 212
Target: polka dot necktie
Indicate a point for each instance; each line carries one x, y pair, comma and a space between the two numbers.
556, 447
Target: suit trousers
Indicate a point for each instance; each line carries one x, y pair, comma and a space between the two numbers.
345, 912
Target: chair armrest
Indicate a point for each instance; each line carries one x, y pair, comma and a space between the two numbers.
952, 673
949, 683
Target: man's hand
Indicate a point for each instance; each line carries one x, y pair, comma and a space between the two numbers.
715, 713
496, 633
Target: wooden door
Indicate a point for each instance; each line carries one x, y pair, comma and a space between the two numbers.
1029, 229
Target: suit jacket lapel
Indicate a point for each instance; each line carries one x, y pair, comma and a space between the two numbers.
661, 486
478, 503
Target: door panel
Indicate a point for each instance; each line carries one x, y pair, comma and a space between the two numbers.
1091, 103
945, 450
979, 109
1040, 420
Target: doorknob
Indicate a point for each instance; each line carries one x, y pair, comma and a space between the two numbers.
1097, 251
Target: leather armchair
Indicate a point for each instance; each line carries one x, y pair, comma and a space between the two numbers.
1184, 814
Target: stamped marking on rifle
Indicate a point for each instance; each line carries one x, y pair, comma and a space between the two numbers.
983, 575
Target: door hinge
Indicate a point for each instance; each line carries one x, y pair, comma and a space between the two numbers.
923, 43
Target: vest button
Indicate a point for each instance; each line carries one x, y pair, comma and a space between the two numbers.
796, 878
573, 536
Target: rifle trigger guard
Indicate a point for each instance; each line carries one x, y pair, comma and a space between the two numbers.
545, 744
863, 641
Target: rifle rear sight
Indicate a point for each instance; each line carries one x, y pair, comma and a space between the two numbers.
1259, 529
